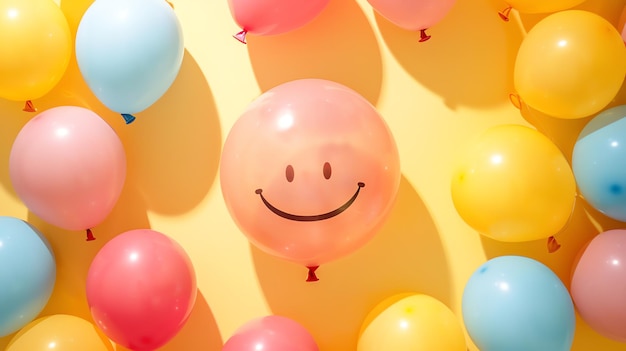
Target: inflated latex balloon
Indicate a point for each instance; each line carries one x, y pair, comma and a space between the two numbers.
141, 288
416, 15
571, 64
271, 333
129, 52
598, 162
68, 166
27, 274
271, 17
411, 322
309, 171
513, 184
516, 303
60, 332
37, 46
599, 282
538, 6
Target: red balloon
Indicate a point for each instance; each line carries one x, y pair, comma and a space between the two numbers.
310, 171
141, 288
269, 17
271, 333
599, 284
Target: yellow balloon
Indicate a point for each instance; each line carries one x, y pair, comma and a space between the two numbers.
571, 64
513, 184
411, 322
36, 48
60, 332
543, 6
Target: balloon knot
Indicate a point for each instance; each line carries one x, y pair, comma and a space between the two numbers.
29, 107
170, 3
516, 100
241, 36
504, 14
423, 35
90, 236
311, 277
553, 245
128, 118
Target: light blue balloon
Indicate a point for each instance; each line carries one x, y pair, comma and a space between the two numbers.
129, 52
514, 303
599, 162
27, 274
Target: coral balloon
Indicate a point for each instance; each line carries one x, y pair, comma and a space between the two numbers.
60, 332
599, 283
310, 171
570, 65
598, 162
516, 303
269, 17
513, 184
413, 15
27, 273
129, 52
141, 288
30, 31
411, 322
271, 333
68, 166
542, 6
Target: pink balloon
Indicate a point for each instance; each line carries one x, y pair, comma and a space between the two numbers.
599, 284
416, 15
310, 171
68, 166
271, 333
141, 288
269, 17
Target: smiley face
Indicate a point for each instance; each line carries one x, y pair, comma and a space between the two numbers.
309, 171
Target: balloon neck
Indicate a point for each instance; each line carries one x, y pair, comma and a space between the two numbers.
504, 14
553, 245
29, 107
90, 236
311, 277
128, 118
241, 36
423, 35
516, 100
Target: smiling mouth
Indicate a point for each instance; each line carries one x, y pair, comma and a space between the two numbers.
312, 218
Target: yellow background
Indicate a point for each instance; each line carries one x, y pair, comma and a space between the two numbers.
435, 96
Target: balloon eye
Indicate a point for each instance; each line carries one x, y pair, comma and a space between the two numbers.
327, 170
289, 173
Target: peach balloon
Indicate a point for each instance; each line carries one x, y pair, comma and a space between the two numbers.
599, 283
310, 171
68, 166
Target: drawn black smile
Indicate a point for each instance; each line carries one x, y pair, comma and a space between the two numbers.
312, 218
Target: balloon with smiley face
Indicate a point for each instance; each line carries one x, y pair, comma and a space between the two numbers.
309, 172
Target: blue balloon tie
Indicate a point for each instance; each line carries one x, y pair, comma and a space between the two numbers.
128, 118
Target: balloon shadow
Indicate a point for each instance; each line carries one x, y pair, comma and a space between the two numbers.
174, 146
339, 45
405, 256
468, 61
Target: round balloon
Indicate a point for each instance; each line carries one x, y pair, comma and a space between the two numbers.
141, 288
60, 332
597, 161
413, 15
542, 6
571, 64
27, 273
310, 171
68, 166
33, 30
271, 333
270, 17
411, 322
516, 303
513, 184
599, 283
129, 52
